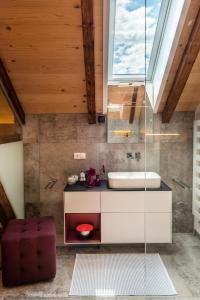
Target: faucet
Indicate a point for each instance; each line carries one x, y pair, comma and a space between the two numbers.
137, 156
130, 155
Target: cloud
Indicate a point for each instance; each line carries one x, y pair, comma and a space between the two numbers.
129, 39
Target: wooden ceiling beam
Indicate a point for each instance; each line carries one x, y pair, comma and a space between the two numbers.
139, 104
9, 133
6, 210
12, 98
186, 63
88, 47
133, 104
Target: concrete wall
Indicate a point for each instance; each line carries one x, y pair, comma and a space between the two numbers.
51, 140
12, 175
176, 161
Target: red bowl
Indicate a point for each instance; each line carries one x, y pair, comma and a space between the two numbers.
84, 229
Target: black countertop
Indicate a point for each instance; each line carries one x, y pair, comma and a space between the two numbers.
77, 187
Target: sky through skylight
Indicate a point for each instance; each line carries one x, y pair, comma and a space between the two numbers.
129, 36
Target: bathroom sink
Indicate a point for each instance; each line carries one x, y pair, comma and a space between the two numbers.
127, 180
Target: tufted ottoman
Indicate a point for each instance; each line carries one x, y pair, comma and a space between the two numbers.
29, 251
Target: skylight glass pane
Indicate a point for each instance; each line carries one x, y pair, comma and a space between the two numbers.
129, 35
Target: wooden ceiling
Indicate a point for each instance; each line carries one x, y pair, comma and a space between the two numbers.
190, 97
182, 84
41, 46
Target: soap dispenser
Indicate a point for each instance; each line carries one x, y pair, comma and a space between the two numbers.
82, 178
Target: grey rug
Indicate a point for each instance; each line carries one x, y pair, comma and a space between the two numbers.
120, 275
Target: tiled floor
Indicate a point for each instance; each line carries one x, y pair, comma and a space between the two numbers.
182, 260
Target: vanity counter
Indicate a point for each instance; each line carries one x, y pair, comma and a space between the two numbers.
104, 187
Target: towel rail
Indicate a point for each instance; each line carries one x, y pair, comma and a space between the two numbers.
178, 183
181, 184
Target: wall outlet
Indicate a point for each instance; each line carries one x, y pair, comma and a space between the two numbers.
79, 155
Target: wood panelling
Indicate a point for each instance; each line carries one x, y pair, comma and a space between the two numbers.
184, 69
55, 103
183, 40
190, 97
42, 47
40, 12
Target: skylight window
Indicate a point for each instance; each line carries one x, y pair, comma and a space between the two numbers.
128, 40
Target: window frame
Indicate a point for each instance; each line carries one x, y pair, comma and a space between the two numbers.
159, 33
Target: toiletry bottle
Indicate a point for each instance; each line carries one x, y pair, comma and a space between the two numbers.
97, 180
82, 178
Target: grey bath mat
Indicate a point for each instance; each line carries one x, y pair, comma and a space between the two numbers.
120, 275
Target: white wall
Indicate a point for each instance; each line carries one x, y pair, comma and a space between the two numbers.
12, 175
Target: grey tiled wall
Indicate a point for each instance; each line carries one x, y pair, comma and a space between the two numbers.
176, 161
51, 140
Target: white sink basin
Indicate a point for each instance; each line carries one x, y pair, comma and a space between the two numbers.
118, 180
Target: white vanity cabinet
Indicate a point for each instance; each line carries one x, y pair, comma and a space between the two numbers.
158, 227
124, 216
121, 201
136, 217
122, 228
82, 202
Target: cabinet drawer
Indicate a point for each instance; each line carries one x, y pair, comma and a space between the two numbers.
82, 202
158, 227
122, 228
122, 201
158, 201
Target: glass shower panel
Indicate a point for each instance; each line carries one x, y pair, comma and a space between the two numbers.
126, 139
158, 196
158, 210
126, 126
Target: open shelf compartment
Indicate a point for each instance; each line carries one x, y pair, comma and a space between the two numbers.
74, 219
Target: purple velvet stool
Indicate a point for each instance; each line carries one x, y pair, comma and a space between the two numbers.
29, 251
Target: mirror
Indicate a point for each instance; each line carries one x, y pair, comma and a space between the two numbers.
126, 114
